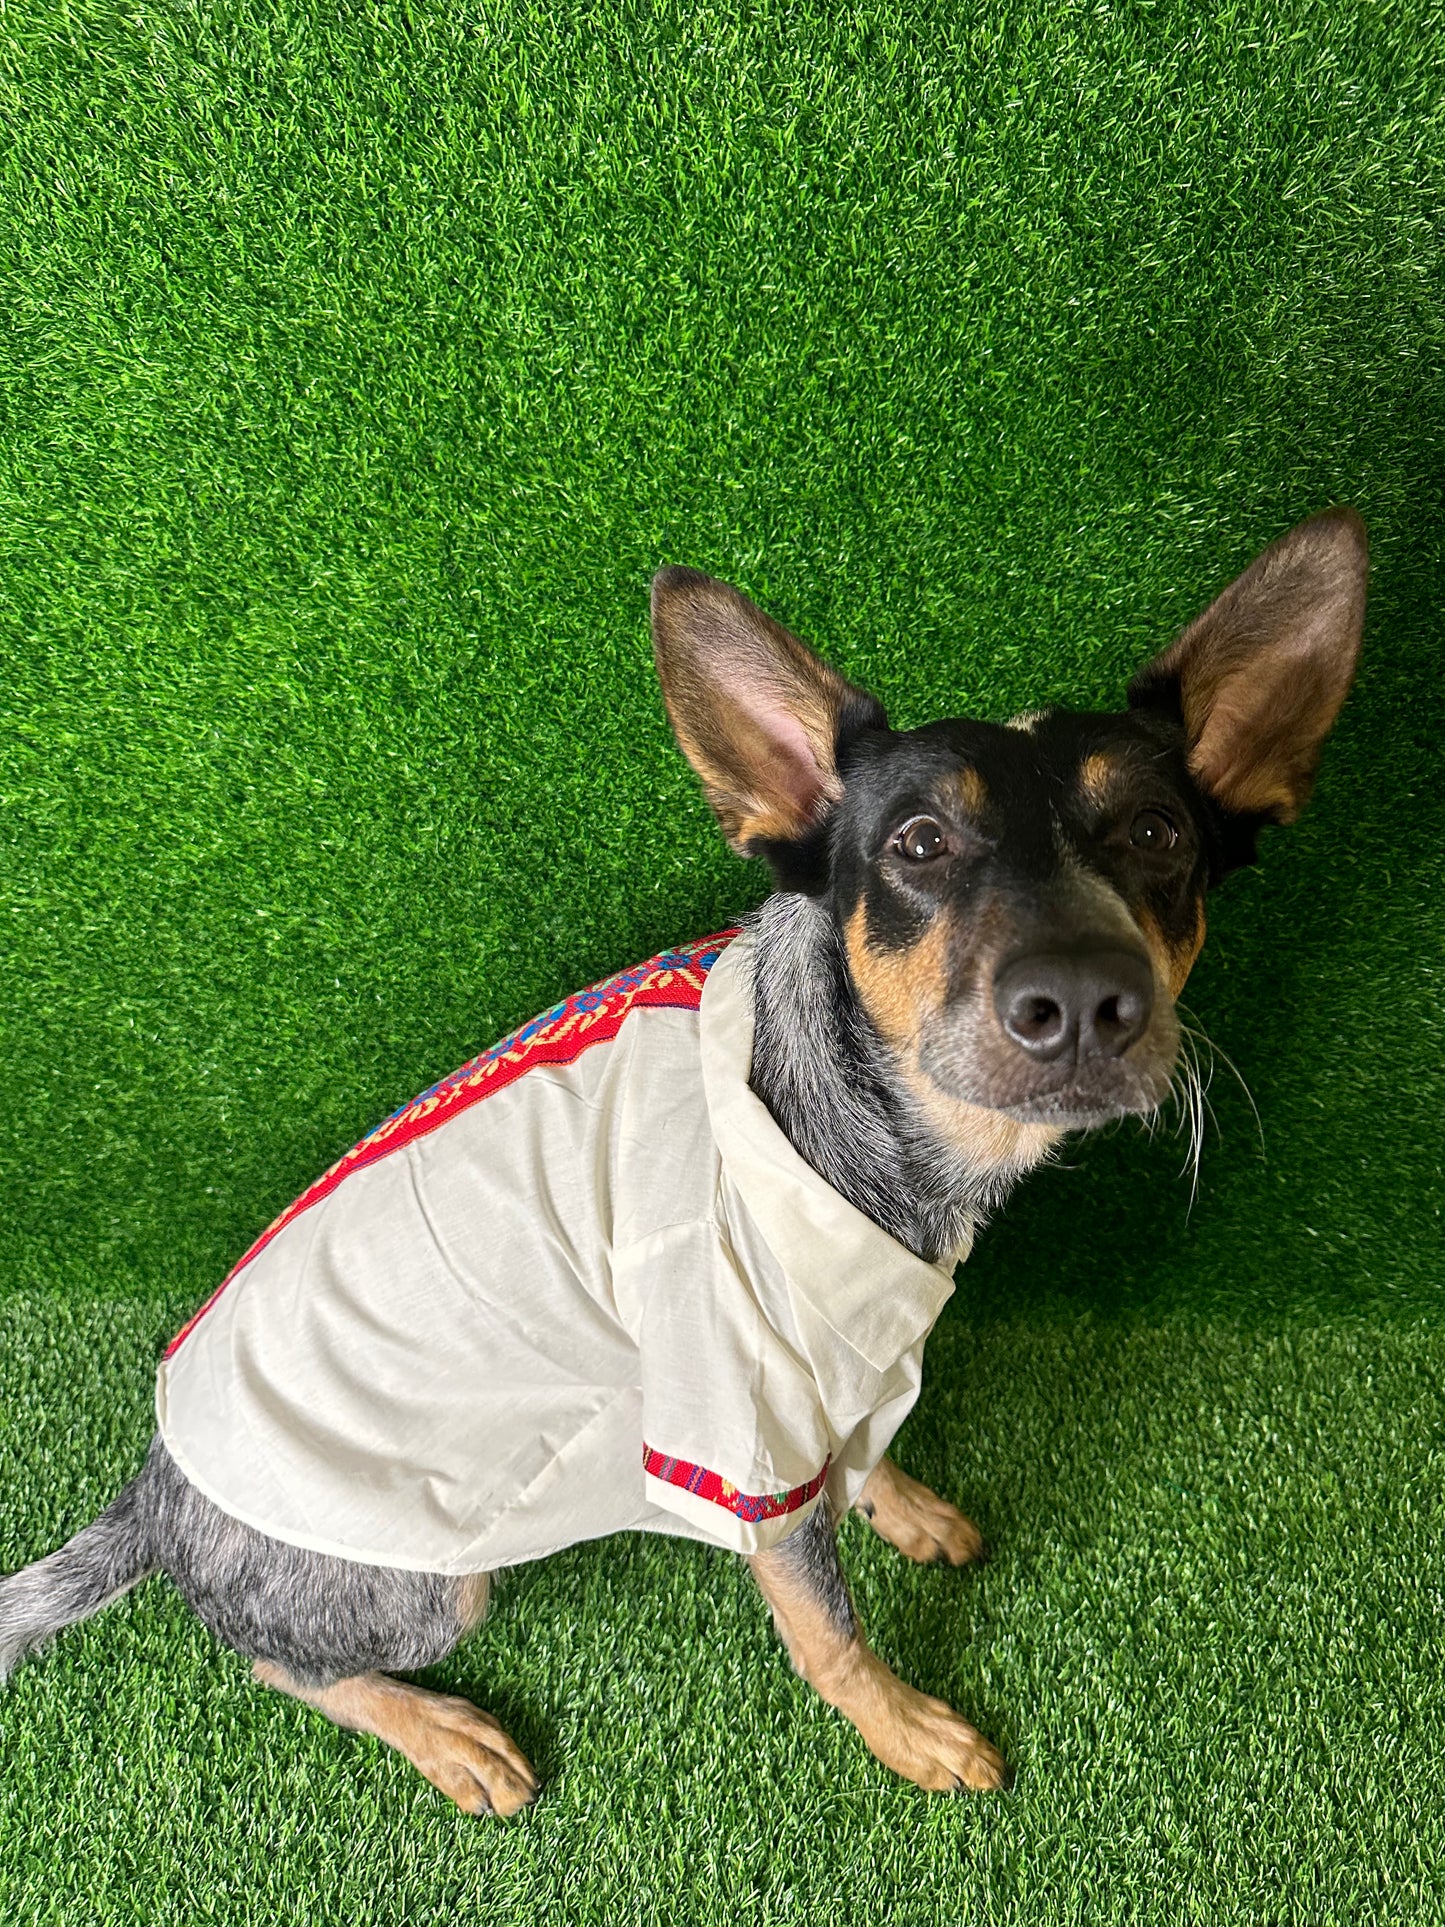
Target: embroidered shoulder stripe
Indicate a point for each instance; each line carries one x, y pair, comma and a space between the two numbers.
673, 980
751, 1506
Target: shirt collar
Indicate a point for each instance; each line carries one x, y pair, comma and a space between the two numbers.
875, 1293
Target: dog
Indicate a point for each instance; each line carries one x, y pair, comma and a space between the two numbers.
666, 1259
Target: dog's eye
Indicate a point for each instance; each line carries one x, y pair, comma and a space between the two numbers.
1152, 830
920, 839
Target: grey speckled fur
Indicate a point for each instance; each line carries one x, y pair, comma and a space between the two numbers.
812, 1558
819, 1070
320, 1618
105, 1559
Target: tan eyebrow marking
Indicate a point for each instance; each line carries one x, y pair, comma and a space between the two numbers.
968, 786
1097, 775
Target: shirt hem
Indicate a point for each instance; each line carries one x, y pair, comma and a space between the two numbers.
308, 1542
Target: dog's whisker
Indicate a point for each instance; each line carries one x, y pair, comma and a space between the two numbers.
1195, 1030
1204, 1081
1188, 1090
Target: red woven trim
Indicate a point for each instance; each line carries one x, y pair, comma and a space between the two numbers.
673, 980
706, 1484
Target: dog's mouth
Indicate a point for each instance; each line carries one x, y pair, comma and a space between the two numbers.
1077, 1110
982, 1070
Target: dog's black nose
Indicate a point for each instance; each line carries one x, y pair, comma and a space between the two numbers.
1091, 1003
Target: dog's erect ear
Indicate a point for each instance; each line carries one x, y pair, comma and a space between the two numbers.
1258, 679
758, 715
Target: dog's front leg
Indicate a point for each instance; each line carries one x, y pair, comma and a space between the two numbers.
921, 1738
921, 1525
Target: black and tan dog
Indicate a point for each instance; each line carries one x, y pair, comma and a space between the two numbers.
975, 946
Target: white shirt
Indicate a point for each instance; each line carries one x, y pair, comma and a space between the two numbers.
583, 1285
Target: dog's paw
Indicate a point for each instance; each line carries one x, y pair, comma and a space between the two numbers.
930, 1744
920, 1524
473, 1760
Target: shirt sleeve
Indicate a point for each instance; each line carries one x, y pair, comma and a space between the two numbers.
735, 1441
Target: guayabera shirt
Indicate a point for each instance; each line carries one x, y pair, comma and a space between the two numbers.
583, 1285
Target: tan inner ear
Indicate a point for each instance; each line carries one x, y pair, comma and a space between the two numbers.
1263, 671
755, 712
791, 767
1259, 743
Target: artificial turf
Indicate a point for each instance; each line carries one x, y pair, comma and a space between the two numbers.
358, 371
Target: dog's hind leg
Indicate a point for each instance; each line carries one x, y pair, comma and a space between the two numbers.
921, 1525
329, 1631
921, 1738
461, 1750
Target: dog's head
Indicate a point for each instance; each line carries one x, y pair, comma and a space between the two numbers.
1021, 903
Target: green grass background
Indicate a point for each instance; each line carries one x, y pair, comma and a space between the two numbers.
358, 369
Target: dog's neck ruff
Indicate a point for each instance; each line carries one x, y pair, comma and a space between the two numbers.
584, 1285
831, 1084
